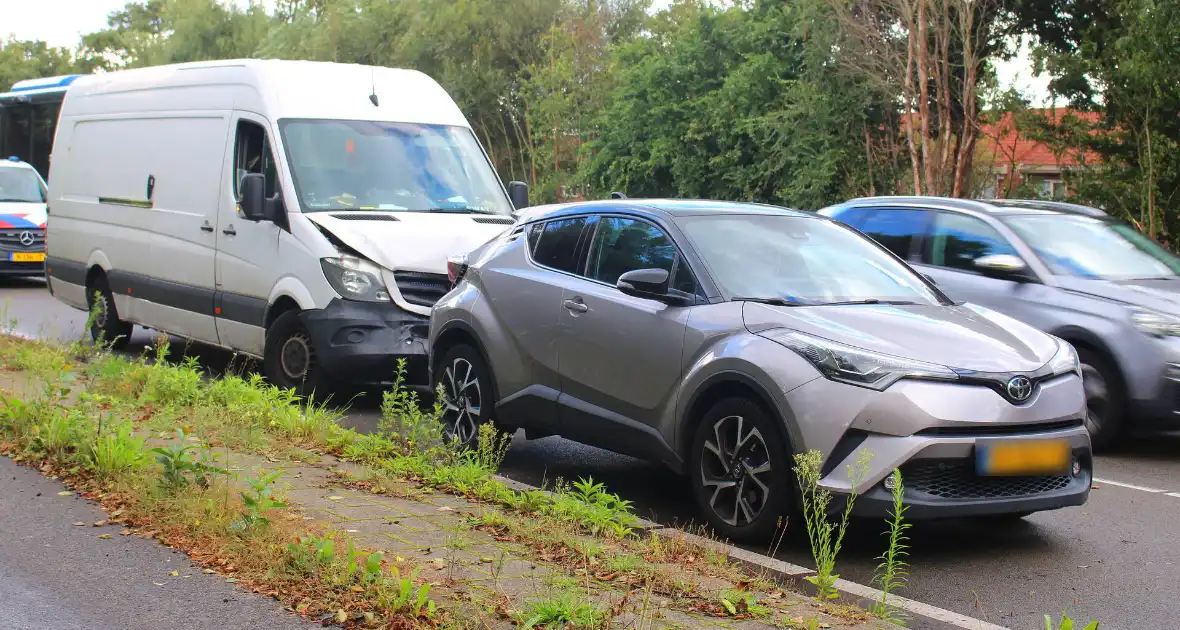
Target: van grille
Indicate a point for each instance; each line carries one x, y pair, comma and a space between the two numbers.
10, 239
421, 289
947, 480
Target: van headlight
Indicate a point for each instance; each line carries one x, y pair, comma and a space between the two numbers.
854, 366
355, 278
1155, 324
1066, 360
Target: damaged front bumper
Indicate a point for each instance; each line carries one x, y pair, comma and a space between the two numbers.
360, 343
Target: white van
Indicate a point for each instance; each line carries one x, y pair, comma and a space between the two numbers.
300, 212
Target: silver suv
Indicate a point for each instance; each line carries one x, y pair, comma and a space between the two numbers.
721, 339
1066, 269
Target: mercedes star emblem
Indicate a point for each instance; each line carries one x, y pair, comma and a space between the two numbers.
26, 238
1019, 388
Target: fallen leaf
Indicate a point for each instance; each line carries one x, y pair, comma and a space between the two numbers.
174, 573
335, 497
446, 509
352, 531
116, 513
231, 580
357, 589
302, 607
65, 493
79, 524
439, 563
158, 583
341, 616
126, 532
99, 523
208, 572
486, 559
105, 537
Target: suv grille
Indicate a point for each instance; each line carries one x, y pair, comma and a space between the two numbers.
959, 481
421, 289
10, 239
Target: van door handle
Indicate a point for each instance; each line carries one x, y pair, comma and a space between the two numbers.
230, 231
207, 227
576, 305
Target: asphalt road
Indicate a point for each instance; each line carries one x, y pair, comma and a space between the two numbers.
57, 575
1116, 559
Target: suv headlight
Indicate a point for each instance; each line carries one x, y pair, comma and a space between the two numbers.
854, 366
1066, 360
355, 278
1155, 324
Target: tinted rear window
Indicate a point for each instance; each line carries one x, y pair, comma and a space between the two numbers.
895, 229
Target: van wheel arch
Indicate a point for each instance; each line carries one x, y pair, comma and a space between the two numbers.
280, 306
718, 388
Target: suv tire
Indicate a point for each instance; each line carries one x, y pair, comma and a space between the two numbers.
1106, 401
740, 471
105, 325
469, 396
289, 359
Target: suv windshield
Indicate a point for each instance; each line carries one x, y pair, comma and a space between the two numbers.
801, 261
1091, 247
21, 185
395, 167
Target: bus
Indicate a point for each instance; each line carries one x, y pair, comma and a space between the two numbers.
28, 119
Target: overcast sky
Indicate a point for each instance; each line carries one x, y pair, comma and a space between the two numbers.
63, 22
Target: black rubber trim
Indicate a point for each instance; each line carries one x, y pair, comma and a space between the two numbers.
66, 270
240, 308
991, 429
118, 201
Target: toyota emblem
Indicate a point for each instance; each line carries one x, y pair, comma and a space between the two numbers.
1019, 388
27, 239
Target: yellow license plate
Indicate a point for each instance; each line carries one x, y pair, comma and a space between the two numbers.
1022, 457
27, 257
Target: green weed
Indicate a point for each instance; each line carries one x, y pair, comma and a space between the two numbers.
737, 603
589, 504
178, 466
564, 609
891, 573
399, 594
825, 536
403, 421
258, 501
1067, 624
115, 452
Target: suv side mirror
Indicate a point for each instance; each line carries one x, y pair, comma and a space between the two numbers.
651, 284
1002, 266
518, 193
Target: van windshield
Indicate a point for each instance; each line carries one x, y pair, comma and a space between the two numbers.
391, 167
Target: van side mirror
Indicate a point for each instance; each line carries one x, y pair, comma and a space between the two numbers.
651, 284
253, 202
252, 199
518, 192
1003, 267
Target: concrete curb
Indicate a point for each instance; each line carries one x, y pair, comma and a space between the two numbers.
919, 615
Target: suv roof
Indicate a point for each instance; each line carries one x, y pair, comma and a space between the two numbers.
664, 207
990, 206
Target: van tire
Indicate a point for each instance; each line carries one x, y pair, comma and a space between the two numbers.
289, 359
105, 325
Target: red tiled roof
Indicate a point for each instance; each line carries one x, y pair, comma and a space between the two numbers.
1004, 145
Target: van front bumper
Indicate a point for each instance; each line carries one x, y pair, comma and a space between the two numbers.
360, 343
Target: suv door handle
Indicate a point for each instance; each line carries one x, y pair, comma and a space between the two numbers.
206, 227
230, 231
576, 305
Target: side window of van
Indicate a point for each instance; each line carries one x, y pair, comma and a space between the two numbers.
252, 154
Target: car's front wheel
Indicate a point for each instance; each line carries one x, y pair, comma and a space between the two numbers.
467, 395
289, 358
740, 471
1105, 401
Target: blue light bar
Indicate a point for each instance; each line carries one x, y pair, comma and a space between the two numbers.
47, 83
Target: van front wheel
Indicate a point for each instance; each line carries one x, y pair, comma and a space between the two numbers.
105, 326
289, 359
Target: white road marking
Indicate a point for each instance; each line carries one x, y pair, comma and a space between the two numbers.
1129, 485
1173, 494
